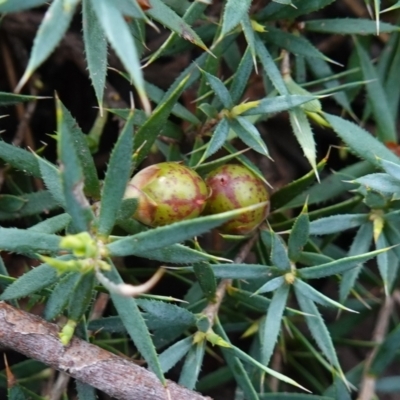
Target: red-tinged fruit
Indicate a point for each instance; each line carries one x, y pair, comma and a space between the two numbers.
167, 192
235, 186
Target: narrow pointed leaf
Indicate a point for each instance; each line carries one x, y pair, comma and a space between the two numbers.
302, 130
95, 49
27, 242
116, 178
135, 325
316, 296
360, 141
219, 89
279, 256
241, 76
234, 11
52, 29
272, 105
381, 182
270, 67
169, 357
120, 38
337, 223
192, 365
360, 245
272, 324
337, 266
85, 391
19, 5
391, 168
348, 26
299, 235
72, 178
169, 18
249, 134
9, 99
36, 279
174, 233
318, 329
377, 97
148, 132
388, 263
271, 285
20, 159
206, 278
92, 185
218, 138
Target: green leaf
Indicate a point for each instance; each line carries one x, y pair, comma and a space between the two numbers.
297, 45
116, 179
27, 242
95, 49
241, 271
299, 235
271, 105
71, 174
20, 159
174, 233
3, 271
360, 245
241, 77
391, 168
85, 391
380, 182
7, 6
385, 353
270, 67
9, 99
92, 185
274, 11
148, 132
348, 26
236, 367
272, 325
249, 134
293, 396
279, 255
167, 17
175, 254
32, 204
302, 130
63, 291
52, 179
218, 139
80, 301
135, 325
377, 97
192, 365
271, 285
318, 329
206, 278
54, 24
36, 279
337, 266
169, 357
219, 89
234, 11
337, 223
16, 393
120, 38
360, 141
314, 295
388, 264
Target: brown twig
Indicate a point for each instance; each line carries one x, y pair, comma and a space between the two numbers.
211, 311
32, 336
367, 386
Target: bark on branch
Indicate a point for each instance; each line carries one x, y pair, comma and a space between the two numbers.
32, 336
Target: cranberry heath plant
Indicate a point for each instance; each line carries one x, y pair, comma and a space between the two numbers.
262, 280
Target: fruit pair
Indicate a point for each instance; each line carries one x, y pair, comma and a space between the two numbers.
170, 192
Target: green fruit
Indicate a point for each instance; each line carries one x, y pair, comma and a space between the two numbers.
167, 192
235, 186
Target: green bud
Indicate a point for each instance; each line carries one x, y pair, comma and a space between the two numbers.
167, 192
235, 186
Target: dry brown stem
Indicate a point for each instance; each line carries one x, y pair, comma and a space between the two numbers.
35, 338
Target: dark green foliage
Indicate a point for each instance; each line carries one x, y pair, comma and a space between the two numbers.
179, 294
